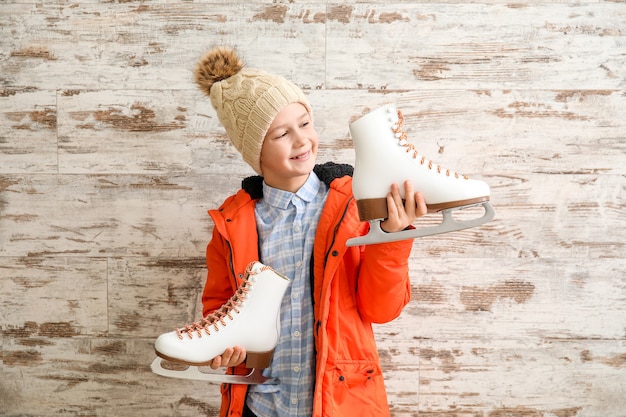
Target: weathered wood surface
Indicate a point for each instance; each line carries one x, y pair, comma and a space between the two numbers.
109, 159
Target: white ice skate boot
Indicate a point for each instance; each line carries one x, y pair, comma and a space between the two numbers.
384, 156
250, 319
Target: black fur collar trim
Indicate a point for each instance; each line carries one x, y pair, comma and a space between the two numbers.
326, 172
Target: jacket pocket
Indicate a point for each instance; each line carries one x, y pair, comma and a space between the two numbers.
358, 390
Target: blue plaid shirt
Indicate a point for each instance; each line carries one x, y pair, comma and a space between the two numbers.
286, 224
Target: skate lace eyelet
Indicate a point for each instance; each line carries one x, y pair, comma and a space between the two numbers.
400, 134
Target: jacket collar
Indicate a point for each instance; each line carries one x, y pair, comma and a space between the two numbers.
326, 172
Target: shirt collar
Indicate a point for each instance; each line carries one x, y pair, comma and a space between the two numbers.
281, 198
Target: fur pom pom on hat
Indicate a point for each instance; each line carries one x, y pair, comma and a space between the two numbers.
246, 99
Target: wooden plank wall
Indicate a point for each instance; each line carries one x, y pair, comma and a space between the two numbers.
110, 157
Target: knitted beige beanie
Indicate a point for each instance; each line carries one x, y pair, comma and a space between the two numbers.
246, 99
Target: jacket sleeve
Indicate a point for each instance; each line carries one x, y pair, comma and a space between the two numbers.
219, 285
383, 287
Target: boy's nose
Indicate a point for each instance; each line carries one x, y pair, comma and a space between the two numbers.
300, 137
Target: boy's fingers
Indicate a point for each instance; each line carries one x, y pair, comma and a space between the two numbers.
224, 359
409, 204
420, 203
216, 362
392, 208
392, 203
237, 356
395, 193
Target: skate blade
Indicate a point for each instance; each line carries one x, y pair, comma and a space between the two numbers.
448, 224
205, 373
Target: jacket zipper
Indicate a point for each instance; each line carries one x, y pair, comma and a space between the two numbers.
326, 256
332, 243
231, 264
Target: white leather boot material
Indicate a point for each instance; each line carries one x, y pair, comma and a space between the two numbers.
250, 319
384, 156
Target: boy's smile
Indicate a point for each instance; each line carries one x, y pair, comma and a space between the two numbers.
304, 156
289, 149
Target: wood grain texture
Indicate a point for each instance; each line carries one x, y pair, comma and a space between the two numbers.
110, 158
476, 46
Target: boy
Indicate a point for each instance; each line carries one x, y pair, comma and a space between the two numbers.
296, 216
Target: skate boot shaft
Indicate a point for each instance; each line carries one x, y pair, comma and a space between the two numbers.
384, 156
250, 319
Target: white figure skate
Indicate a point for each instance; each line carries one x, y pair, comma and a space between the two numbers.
250, 319
384, 156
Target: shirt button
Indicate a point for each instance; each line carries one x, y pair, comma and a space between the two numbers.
299, 264
296, 368
296, 228
296, 334
294, 296
294, 401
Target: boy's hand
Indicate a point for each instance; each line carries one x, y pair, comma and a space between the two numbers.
231, 357
402, 214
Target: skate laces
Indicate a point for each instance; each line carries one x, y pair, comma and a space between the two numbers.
212, 321
410, 148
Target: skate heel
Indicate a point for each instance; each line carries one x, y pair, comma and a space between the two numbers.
372, 208
259, 359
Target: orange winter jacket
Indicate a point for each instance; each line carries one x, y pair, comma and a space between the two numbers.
353, 287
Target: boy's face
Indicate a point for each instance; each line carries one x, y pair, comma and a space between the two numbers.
289, 149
